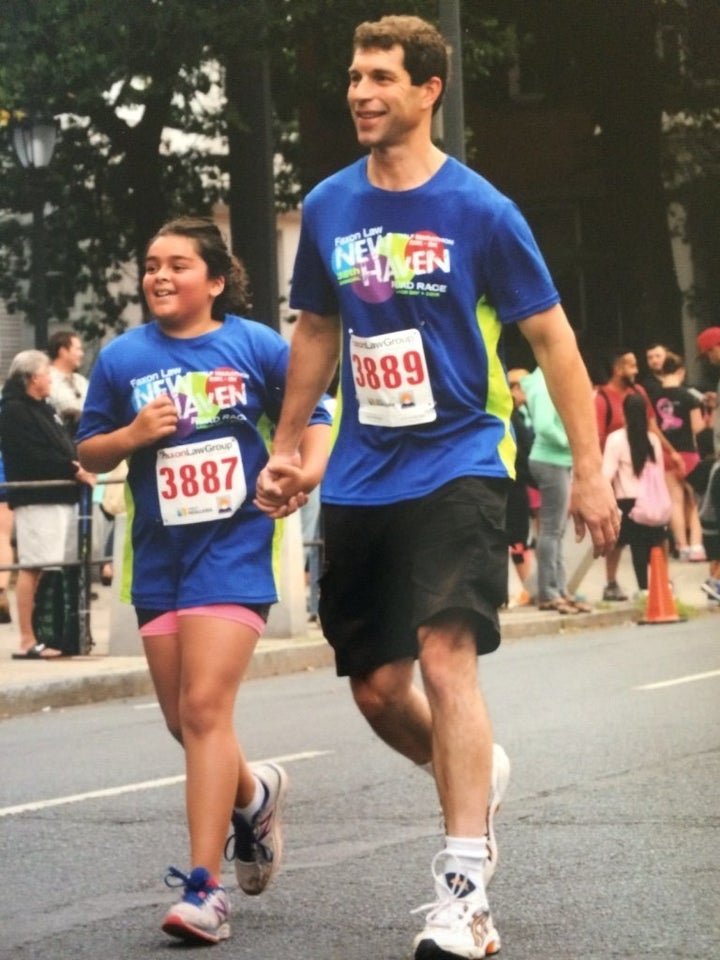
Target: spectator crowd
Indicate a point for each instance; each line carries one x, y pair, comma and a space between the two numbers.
681, 425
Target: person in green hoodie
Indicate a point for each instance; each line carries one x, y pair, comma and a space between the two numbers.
550, 464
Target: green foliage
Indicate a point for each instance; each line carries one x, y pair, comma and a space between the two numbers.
121, 75
118, 75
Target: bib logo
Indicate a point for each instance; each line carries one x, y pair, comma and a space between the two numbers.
199, 397
379, 265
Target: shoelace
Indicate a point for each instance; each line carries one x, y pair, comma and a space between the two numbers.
248, 839
193, 889
176, 878
448, 909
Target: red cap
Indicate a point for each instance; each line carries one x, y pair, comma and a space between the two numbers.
708, 339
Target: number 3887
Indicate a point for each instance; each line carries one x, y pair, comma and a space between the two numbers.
190, 479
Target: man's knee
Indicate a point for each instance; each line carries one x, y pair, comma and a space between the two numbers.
448, 654
383, 689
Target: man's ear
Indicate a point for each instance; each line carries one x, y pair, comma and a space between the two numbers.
433, 88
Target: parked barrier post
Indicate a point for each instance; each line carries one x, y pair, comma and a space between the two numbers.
85, 640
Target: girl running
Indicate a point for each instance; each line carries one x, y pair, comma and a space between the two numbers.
188, 400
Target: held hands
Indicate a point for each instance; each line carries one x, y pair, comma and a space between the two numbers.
281, 486
593, 507
154, 421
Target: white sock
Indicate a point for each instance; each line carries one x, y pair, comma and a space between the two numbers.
255, 804
470, 854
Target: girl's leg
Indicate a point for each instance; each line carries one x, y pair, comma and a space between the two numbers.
692, 517
676, 489
214, 655
640, 553
163, 658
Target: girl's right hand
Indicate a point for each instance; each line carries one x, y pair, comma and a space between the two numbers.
156, 420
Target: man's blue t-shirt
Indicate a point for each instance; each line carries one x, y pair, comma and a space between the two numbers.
191, 515
423, 281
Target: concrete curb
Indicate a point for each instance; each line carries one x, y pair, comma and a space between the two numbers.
519, 626
22, 698
94, 679
107, 682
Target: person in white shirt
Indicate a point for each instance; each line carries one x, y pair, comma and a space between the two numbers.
68, 387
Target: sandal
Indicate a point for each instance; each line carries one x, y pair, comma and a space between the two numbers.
558, 605
38, 651
580, 605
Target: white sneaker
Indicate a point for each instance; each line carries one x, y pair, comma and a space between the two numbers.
498, 785
256, 848
458, 922
202, 916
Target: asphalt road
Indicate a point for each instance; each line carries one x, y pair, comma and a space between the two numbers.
609, 839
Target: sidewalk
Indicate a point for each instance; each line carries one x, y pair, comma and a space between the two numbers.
28, 686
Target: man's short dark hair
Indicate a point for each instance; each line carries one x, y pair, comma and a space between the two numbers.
425, 52
60, 340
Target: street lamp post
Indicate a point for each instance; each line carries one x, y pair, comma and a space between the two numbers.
34, 142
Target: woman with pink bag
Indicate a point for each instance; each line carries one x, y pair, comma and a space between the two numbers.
633, 463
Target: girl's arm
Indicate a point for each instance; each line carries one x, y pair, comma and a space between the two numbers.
102, 452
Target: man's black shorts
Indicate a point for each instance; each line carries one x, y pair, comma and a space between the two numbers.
389, 569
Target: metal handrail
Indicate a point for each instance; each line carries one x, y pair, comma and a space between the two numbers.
84, 559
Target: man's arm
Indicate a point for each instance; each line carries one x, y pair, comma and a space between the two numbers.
593, 504
314, 354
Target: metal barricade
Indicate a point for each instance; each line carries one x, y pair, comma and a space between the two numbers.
84, 562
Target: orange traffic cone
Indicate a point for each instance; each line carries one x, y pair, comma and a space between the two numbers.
661, 606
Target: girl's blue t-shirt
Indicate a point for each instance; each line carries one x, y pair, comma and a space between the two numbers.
423, 281
191, 494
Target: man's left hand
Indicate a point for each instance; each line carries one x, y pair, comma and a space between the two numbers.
593, 507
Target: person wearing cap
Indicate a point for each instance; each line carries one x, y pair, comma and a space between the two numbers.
708, 343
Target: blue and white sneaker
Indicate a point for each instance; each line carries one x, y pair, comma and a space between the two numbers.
203, 914
256, 848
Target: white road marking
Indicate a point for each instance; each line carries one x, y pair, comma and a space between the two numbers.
691, 678
135, 787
